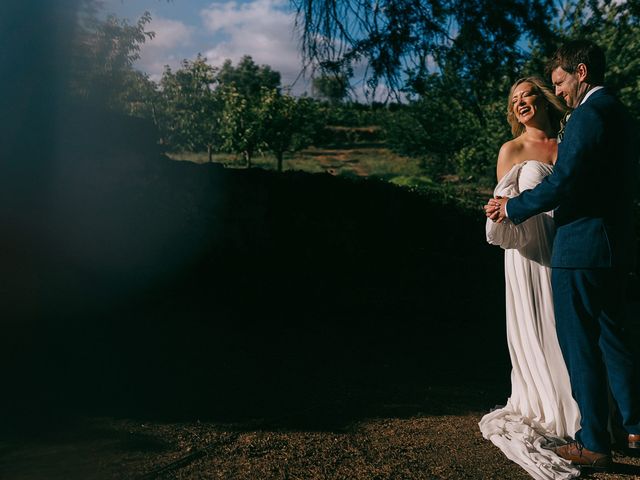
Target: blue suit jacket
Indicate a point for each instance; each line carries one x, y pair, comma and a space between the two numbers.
591, 188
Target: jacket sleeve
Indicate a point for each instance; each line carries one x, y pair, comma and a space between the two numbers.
576, 157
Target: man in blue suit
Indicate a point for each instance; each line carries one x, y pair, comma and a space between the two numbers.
591, 192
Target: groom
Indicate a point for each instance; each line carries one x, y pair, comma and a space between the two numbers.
591, 192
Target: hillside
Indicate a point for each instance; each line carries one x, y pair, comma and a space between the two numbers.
122, 259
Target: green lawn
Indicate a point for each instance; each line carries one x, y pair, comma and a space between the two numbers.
362, 162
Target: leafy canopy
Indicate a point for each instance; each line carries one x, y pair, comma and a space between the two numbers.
477, 39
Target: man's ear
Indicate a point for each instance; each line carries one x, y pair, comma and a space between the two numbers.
582, 71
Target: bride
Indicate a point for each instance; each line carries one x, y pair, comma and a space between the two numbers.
541, 411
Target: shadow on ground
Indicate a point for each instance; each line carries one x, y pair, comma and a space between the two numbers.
142, 286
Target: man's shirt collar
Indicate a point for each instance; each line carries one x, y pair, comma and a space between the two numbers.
588, 94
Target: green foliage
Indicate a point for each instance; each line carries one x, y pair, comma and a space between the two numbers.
139, 96
280, 118
453, 60
452, 135
241, 127
614, 26
353, 114
333, 88
224, 108
191, 108
477, 158
104, 52
288, 124
476, 39
247, 78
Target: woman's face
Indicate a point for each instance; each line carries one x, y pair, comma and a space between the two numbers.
526, 102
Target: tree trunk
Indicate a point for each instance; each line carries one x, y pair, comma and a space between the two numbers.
210, 153
247, 158
279, 157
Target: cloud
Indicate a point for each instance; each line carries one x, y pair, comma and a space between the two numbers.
170, 35
263, 29
225, 16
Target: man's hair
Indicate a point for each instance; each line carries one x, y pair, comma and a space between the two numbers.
575, 52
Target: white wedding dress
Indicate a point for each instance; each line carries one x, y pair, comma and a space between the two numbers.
540, 411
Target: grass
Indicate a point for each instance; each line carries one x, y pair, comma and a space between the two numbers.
363, 161
351, 161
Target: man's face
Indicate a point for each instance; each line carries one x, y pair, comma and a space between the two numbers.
568, 86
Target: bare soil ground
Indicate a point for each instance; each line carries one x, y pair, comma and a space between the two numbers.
418, 446
334, 160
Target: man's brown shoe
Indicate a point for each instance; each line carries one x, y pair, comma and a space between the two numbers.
578, 455
634, 440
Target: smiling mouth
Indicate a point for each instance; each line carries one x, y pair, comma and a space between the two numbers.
524, 110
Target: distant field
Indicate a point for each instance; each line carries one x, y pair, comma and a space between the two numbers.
351, 161
360, 162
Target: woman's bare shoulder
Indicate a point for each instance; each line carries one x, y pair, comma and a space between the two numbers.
510, 148
508, 156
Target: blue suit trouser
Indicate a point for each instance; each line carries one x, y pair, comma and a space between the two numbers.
590, 321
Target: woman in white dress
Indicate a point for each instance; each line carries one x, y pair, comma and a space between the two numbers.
541, 411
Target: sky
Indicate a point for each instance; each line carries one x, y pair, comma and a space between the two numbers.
218, 29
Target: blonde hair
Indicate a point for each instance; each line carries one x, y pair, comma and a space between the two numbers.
556, 107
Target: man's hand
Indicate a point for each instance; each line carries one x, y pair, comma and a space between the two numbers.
495, 209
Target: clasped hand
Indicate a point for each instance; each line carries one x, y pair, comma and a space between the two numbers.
495, 209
